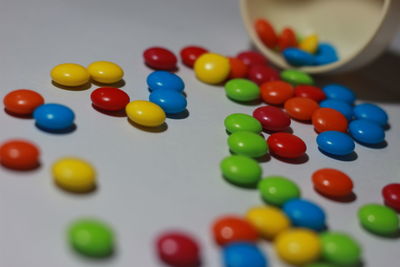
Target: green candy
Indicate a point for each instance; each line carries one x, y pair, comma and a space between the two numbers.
91, 238
339, 248
276, 190
379, 219
247, 144
242, 122
242, 90
241, 170
296, 77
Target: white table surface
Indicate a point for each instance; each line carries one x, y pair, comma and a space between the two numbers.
151, 182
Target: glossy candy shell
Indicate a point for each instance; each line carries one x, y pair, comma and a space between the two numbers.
298, 58
340, 248
165, 80
261, 74
327, 119
237, 122
341, 106
391, 194
242, 90
335, 143
22, 101
54, 117
301, 108
160, 58
229, 229
19, 155
190, 54
247, 144
272, 118
252, 58
109, 98
266, 33
332, 183
309, 91
304, 213
276, 92
241, 170
171, 101
372, 113
286, 145
339, 92
238, 68
366, 132
243, 254
379, 219
277, 190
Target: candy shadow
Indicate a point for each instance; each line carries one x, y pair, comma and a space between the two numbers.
91, 191
19, 116
25, 170
346, 199
72, 88
179, 116
174, 70
248, 103
119, 113
380, 145
287, 130
249, 186
300, 160
264, 158
118, 84
350, 157
68, 130
159, 129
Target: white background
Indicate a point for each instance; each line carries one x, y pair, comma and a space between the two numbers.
151, 182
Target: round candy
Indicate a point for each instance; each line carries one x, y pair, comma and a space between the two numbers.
276, 92
332, 183
304, 213
238, 68
309, 91
229, 229
298, 246
105, 72
242, 90
298, 57
165, 80
91, 238
372, 113
326, 54
266, 33
269, 221
178, 249
109, 98
340, 106
247, 144
251, 58
366, 132
335, 143
301, 108
379, 219
277, 190
238, 122
286, 145
287, 39
272, 118
296, 77
172, 102
340, 248
261, 74
241, 170
145, 113
190, 54
22, 101
19, 155
243, 254
70, 74
327, 119
212, 68
391, 194
309, 44
74, 175
339, 92
54, 117
160, 58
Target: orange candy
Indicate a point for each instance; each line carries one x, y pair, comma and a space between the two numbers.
238, 68
19, 155
327, 119
276, 92
287, 39
229, 229
301, 108
266, 33
332, 183
22, 101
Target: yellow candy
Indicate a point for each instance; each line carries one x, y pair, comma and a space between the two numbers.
212, 68
70, 74
269, 221
309, 44
298, 246
74, 174
105, 72
145, 113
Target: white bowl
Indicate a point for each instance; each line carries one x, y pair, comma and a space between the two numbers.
360, 30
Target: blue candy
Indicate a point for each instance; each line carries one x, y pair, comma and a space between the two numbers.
366, 132
242, 254
338, 105
170, 101
372, 113
303, 213
335, 143
339, 92
298, 57
326, 54
165, 80
54, 117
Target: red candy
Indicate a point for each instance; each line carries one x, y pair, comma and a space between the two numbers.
22, 101
189, 54
301, 108
287, 39
19, 155
238, 68
272, 118
109, 98
261, 74
391, 194
332, 183
327, 119
266, 33
286, 145
160, 58
276, 92
309, 91
251, 58
178, 249
230, 229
